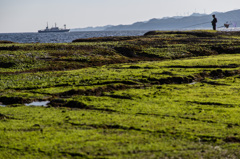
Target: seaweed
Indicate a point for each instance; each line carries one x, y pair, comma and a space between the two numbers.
166, 94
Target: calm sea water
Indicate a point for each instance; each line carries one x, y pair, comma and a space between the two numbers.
63, 37
70, 36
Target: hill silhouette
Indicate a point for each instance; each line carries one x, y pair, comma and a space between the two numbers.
194, 21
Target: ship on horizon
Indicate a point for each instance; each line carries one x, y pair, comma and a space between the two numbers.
53, 29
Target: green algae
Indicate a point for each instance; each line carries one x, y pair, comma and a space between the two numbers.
180, 103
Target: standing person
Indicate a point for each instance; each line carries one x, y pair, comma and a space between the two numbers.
214, 22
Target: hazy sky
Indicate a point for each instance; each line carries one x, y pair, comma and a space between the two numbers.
32, 15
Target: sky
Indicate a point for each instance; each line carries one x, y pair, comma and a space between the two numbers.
33, 15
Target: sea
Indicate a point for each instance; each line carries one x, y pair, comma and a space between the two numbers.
66, 37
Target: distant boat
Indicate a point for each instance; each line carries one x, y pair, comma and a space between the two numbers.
53, 29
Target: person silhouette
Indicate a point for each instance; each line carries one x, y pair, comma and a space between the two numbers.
214, 22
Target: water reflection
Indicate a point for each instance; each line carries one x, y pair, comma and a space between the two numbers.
38, 103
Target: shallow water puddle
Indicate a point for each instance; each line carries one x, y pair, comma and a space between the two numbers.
2, 105
192, 83
38, 103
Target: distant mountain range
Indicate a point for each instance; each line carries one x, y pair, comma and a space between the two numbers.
100, 28
194, 21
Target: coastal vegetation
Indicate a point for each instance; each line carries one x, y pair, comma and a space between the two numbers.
166, 94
